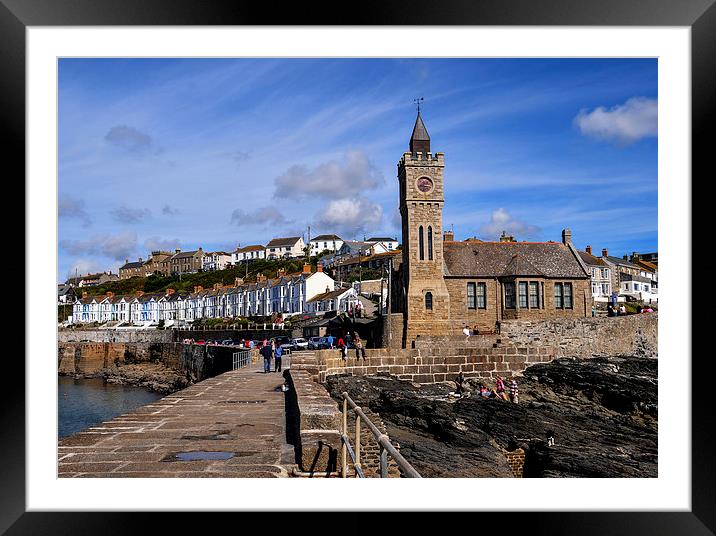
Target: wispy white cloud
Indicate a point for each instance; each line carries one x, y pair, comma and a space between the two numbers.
350, 176
350, 216
69, 208
125, 214
155, 243
267, 215
501, 220
625, 123
117, 247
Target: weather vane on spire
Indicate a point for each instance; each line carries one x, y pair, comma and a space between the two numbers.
418, 101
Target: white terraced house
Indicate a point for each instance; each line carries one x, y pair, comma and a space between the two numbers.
248, 254
325, 242
216, 260
285, 248
287, 294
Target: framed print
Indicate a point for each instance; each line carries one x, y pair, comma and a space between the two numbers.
480, 322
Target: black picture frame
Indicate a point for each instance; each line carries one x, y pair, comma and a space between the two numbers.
699, 15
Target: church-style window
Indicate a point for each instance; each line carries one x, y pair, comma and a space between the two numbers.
523, 295
429, 301
421, 245
430, 243
509, 295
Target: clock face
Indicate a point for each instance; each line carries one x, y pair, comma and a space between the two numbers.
424, 184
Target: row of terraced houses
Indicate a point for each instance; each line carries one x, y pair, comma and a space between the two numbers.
292, 247
286, 295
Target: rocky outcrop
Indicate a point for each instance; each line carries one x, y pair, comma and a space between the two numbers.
602, 413
152, 376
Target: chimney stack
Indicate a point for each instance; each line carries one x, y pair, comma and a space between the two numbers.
634, 256
238, 281
605, 253
448, 236
306, 268
84, 294
177, 250
170, 291
217, 286
504, 237
110, 294
625, 257
139, 293
588, 249
566, 236
319, 267
260, 278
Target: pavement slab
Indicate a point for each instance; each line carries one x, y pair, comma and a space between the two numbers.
238, 415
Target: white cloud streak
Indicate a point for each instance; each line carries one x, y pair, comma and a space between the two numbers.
625, 123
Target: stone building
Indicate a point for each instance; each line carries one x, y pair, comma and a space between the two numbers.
442, 285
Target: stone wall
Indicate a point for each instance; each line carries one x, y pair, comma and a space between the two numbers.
316, 422
115, 335
426, 365
198, 362
632, 335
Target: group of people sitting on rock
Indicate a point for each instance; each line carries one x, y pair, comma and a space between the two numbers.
499, 392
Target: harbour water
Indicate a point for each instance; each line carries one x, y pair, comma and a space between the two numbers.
88, 402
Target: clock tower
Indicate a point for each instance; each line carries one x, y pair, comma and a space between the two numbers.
420, 175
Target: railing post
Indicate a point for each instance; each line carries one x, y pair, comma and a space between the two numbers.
358, 466
345, 433
383, 462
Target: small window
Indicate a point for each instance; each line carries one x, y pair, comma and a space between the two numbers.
568, 295
429, 301
534, 295
558, 296
471, 291
523, 294
481, 296
509, 295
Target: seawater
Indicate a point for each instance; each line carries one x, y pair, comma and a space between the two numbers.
88, 402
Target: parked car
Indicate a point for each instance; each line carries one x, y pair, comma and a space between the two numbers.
201, 341
227, 342
300, 344
284, 342
318, 343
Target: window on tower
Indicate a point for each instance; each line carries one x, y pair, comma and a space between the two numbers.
421, 245
430, 243
428, 300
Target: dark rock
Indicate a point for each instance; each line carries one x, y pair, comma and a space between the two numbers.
601, 412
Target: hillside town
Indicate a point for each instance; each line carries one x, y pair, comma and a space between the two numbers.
326, 289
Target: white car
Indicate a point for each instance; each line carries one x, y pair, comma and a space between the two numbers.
300, 344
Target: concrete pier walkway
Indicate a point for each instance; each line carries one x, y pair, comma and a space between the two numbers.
232, 425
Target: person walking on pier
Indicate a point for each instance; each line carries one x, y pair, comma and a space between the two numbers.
266, 353
277, 358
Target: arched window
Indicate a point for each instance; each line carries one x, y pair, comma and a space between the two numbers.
430, 243
421, 245
429, 301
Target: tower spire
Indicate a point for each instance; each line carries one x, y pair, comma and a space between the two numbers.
419, 140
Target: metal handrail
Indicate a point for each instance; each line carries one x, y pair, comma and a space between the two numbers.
241, 359
384, 443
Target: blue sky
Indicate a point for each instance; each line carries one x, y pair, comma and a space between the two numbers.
165, 153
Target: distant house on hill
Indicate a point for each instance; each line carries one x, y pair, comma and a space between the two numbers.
216, 260
248, 254
132, 269
291, 247
185, 262
92, 280
388, 243
324, 242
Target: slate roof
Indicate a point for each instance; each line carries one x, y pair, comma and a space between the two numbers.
183, 254
131, 265
498, 259
382, 239
619, 260
419, 140
279, 242
591, 259
250, 248
326, 237
330, 295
